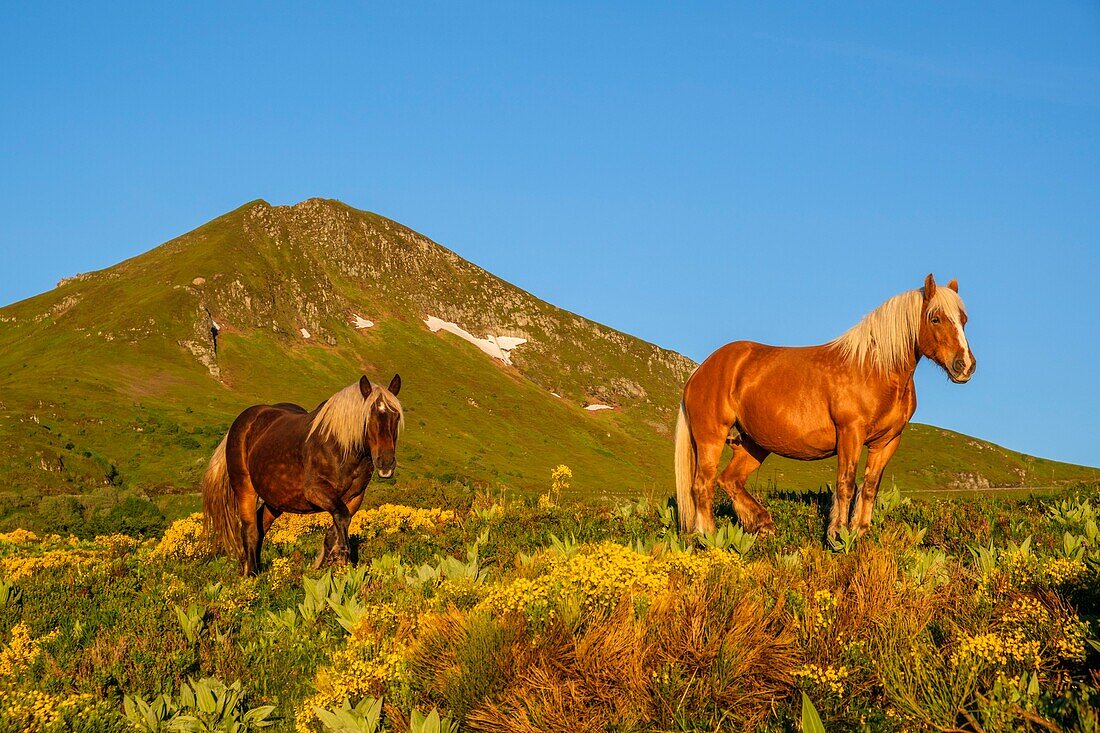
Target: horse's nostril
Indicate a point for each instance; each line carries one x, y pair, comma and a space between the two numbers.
959, 366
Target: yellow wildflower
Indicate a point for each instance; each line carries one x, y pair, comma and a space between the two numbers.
183, 540
18, 536
22, 651
17, 568
828, 677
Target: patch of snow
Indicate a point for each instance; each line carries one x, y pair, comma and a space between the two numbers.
593, 408
556, 395
361, 322
507, 343
497, 347
305, 334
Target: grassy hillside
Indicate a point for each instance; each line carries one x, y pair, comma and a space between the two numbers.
111, 381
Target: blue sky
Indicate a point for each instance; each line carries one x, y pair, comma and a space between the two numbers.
689, 173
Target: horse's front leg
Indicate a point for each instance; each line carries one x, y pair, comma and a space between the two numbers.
341, 520
327, 498
849, 445
877, 458
330, 535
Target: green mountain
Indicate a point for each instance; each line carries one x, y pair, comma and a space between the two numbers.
114, 378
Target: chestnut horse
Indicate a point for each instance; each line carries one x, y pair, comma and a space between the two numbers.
302, 463
814, 402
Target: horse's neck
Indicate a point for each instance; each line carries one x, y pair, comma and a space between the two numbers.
899, 376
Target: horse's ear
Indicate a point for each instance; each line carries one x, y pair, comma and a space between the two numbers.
929, 287
365, 386
954, 285
395, 384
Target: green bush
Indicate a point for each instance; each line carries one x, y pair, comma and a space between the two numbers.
132, 516
61, 514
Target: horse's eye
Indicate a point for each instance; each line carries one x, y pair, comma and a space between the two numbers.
935, 320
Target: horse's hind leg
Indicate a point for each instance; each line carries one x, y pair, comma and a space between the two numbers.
707, 455
249, 511
747, 457
326, 546
265, 516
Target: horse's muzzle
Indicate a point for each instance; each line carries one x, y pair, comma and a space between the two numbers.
959, 373
386, 465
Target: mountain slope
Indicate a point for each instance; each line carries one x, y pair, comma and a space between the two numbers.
114, 377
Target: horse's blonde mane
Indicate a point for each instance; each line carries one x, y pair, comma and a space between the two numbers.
886, 338
343, 417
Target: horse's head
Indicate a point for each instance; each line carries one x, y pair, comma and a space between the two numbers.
383, 424
942, 336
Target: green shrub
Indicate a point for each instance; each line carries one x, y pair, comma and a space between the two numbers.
132, 516
61, 514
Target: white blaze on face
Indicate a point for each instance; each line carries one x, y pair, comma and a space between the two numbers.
968, 361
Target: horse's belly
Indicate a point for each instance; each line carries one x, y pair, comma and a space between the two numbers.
801, 432
799, 444
280, 486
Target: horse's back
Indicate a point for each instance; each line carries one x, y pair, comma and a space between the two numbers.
261, 417
264, 428
288, 406
745, 364
770, 392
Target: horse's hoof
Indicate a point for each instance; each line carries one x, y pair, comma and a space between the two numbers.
761, 524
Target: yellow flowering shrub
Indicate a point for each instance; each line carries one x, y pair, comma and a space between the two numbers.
559, 482
597, 577
183, 540
116, 544
996, 649
390, 519
289, 528
1018, 569
21, 651
31, 711
823, 611
370, 661
18, 536
1069, 644
281, 573
698, 565
1026, 633
20, 567
1058, 571
176, 590
826, 677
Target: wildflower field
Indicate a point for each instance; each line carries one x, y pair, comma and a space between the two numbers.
490, 615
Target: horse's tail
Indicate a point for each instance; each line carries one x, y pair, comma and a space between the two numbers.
685, 472
220, 520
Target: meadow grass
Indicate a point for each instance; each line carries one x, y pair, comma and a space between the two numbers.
509, 615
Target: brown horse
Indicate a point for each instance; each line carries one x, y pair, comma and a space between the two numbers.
814, 402
302, 463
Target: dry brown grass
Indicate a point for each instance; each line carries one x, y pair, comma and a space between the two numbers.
709, 647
